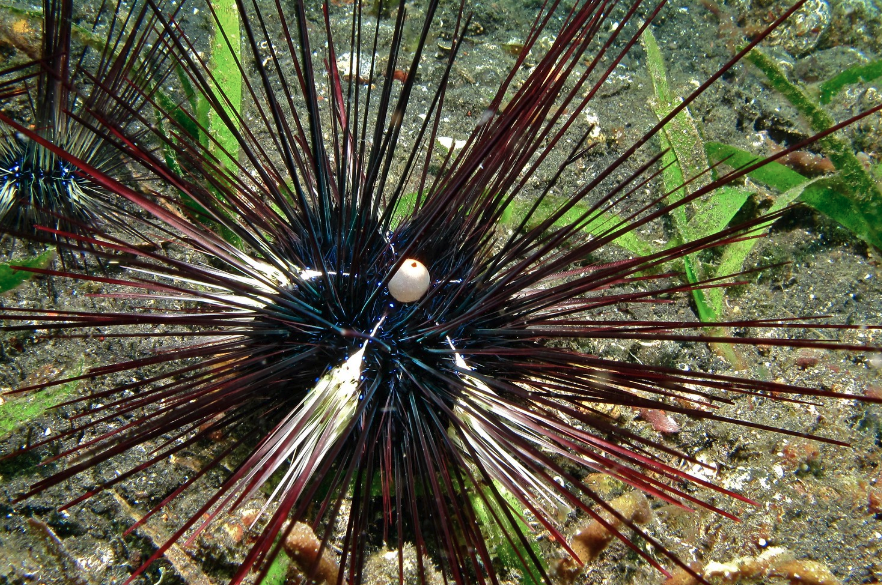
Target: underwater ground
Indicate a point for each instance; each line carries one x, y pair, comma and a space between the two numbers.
820, 502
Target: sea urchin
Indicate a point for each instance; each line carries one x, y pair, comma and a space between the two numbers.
387, 358
68, 89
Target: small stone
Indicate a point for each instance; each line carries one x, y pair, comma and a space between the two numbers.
235, 531
660, 420
807, 358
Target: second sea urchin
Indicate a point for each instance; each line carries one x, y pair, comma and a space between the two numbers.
68, 91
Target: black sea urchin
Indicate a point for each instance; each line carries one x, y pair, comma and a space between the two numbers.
388, 361
68, 87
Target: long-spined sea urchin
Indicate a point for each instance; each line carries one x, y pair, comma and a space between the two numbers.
406, 406
70, 81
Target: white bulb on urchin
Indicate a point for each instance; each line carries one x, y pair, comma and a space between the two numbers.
410, 282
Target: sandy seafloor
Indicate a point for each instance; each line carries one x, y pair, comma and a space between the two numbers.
812, 499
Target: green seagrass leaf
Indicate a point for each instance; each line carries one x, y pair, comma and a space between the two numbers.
834, 85
684, 158
856, 183
828, 195
278, 571
509, 554
225, 56
11, 278
600, 225
773, 174
717, 213
23, 408
863, 220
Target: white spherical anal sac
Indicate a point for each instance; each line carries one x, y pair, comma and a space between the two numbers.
410, 282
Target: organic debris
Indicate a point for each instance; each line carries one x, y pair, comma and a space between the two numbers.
304, 548
774, 562
591, 540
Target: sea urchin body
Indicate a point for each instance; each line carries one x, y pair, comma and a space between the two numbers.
70, 84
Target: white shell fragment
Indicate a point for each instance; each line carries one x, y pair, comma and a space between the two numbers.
448, 143
350, 67
410, 282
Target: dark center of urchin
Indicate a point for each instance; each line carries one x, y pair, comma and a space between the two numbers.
35, 184
27, 174
406, 347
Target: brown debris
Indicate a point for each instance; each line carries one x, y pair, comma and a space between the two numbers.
807, 358
42, 375
874, 499
660, 420
873, 392
71, 570
235, 530
303, 547
808, 163
181, 561
591, 540
17, 32
800, 453
249, 516
805, 571
680, 576
774, 562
